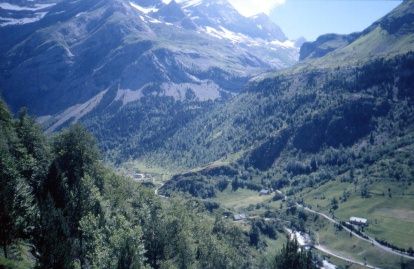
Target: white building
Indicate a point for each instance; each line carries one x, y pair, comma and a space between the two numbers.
238, 217
264, 192
358, 221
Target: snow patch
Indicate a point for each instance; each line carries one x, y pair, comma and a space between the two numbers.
145, 10
80, 14
8, 6
213, 32
38, 14
238, 38
285, 44
21, 21
234, 37
190, 3
224, 33
152, 20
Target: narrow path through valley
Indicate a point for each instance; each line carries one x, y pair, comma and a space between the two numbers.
156, 191
303, 241
324, 250
369, 239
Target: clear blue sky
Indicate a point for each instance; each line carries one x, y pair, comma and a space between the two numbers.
312, 18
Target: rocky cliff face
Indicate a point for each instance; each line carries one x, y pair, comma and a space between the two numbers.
317, 104
127, 68
65, 55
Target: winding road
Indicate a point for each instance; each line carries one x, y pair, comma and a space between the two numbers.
324, 250
156, 191
303, 241
369, 239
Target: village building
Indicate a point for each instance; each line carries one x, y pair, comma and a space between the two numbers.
138, 176
238, 217
264, 192
358, 221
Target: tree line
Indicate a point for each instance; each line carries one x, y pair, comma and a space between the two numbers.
61, 207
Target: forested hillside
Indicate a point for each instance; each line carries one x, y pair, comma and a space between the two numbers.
291, 120
62, 208
202, 165
334, 134
286, 127
131, 71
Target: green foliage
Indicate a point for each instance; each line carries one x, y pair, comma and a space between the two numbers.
17, 208
141, 126
291, 112
75, 213
303, 130
334, 204
254, 235
294, 257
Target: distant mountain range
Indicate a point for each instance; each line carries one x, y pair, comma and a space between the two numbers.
157, 81
337, 96
65, 60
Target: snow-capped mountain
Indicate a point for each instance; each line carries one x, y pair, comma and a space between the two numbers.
221, 15
219, 19
68, 59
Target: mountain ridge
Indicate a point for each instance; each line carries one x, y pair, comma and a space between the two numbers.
383, 38
306, 83
137, 33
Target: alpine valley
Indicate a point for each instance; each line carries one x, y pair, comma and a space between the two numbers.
99, 61
219, 142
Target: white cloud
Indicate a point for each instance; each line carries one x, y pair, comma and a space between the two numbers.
253, 7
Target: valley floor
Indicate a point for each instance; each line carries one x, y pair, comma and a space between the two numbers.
343, 245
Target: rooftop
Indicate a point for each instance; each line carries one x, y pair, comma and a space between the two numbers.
358, 220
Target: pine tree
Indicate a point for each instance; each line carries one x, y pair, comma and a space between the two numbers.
254, 235
68, 195
37, 149
293, 257
16, 201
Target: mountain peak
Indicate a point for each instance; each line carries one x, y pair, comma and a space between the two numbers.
260, 15
172, 12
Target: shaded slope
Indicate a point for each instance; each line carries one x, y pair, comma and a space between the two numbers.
319, 107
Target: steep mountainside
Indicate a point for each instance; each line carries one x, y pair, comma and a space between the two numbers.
307, 113
75, 51
336, 136
348, 96
130, 66
297, 151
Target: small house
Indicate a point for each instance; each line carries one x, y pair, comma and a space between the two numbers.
138, 176
264, 192
238, 217
358, 221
